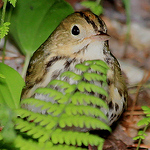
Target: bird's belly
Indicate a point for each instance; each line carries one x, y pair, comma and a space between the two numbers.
114, 100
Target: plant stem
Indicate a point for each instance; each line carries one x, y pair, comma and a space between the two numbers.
6, 37
2, 22
3, 12
128, 22
27, 59
139, 143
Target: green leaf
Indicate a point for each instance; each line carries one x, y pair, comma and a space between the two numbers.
95, 8
10, 87
138, 137
33, 21
98, 68
60, 83
2, 76
146, 110
142, 133
81, 98
4, 29
101, 63
82, 67
72, 109
144, 121
13, 2
72, 75
51, 92
82, 86
94, 77
6, 116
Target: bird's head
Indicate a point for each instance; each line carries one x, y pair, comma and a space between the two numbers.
81, 34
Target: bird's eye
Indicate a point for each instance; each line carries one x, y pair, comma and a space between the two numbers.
75, 30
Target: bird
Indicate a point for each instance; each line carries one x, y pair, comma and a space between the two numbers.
81, 36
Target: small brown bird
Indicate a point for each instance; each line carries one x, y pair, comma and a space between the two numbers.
79, 37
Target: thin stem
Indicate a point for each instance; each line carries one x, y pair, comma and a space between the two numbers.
2, 22
139, 143
128, 22
6, 37
3, 12
27, 59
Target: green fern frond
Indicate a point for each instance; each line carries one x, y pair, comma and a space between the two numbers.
82, 86
13, 2
4, 29
57, 121
145, 121
51, 92
43, 120
60, 136
82, 99
101, 69
59, 83
82, 121
72, 109
72, 75
94, 76
55, 108
31, 129
101, 63
63, 85
75, 138
82, 67
146, 110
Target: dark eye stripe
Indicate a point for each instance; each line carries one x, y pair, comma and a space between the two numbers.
89, 21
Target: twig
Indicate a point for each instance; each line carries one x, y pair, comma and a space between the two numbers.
8, 58
134, 113
142, 145
144, 80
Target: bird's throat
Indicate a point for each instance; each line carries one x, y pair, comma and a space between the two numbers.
92, 51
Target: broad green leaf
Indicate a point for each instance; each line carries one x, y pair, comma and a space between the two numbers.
10, 86
33, 21
2, 76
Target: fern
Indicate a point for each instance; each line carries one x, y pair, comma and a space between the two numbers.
145, 122
13, 2
4, 29
57, 123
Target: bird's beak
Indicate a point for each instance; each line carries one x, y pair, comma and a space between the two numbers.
102, 36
